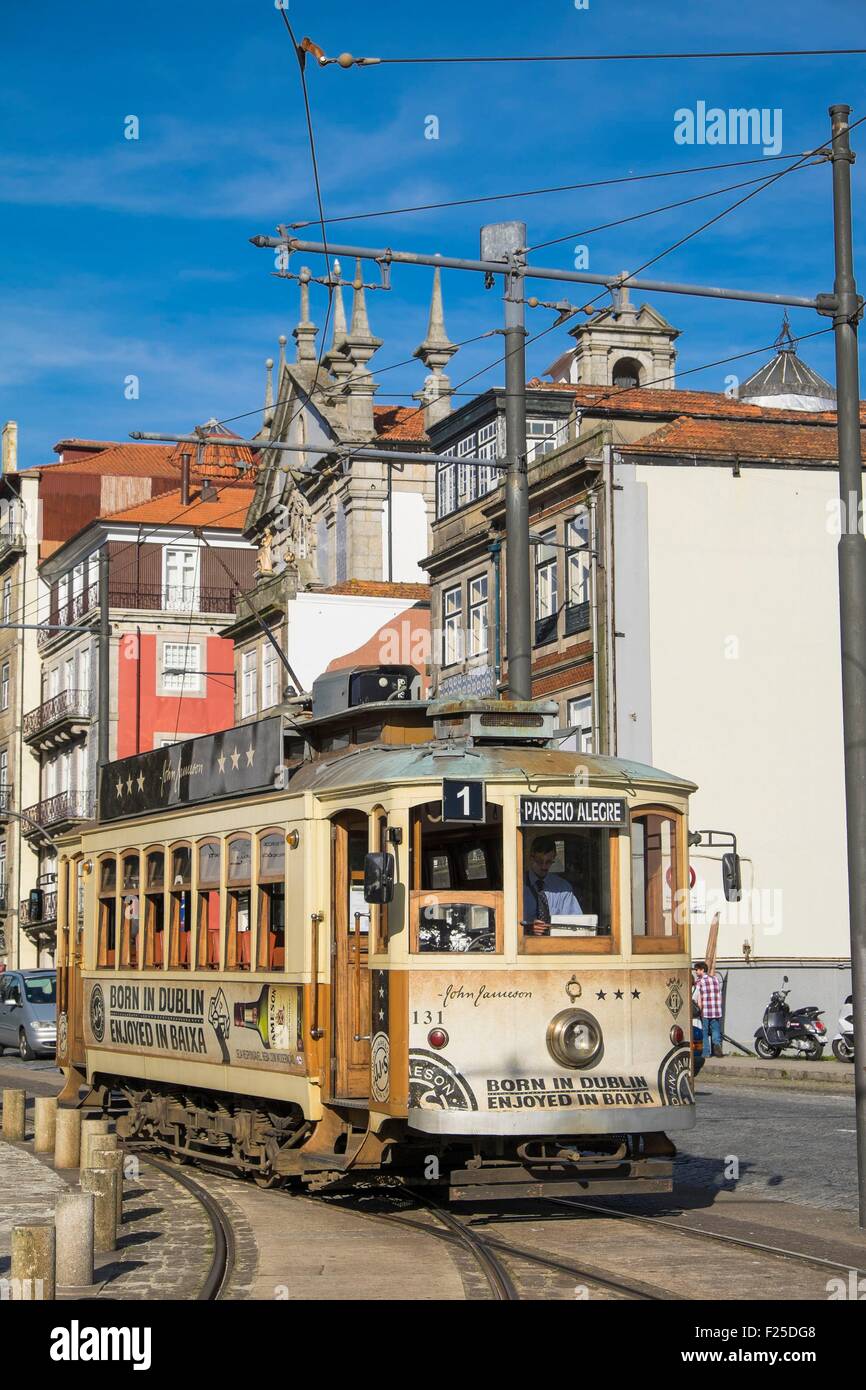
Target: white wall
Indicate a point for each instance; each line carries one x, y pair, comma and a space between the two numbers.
746, 688
410, 540
322, 627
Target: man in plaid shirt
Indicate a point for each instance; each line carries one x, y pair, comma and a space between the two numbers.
709, 995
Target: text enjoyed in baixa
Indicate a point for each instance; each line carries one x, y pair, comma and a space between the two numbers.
572, 810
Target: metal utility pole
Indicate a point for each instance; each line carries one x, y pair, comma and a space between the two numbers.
104, 709
852, 602
506, 241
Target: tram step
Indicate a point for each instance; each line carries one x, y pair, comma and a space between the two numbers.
293, 1162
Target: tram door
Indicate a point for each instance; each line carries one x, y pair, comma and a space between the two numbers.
351, 988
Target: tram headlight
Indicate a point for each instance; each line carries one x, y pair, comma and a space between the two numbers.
574, 1038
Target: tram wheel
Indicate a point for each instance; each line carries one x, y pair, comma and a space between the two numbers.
764, 1049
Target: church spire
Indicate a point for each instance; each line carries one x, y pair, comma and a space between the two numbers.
435, 352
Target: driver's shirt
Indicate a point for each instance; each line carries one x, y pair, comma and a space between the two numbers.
560, 897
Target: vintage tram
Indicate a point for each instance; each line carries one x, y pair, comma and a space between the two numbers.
386, 938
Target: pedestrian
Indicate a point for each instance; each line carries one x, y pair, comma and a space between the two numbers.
709, 993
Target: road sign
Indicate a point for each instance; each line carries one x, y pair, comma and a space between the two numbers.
463, 801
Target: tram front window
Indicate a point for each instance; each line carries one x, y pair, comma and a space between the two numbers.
456, 877
566, 884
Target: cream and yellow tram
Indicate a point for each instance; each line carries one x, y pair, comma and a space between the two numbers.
392, 938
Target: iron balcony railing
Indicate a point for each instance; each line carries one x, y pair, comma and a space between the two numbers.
64, 615
49, 910
12, 539
58, 810
67, 705
178, 598
5, 798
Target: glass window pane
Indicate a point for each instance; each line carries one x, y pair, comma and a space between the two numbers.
240, 860
272, 855
209, 863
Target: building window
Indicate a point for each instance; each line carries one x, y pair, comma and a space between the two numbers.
180, 580
466, 472
488, 448
4, 685
249, 683
580, 719
3, 872
478, 618
181, 667
577, 565
446, 489
270, 677
543, 436
546, 589
4, 768
452, 608
7, 600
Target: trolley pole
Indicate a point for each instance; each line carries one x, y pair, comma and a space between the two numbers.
852, 602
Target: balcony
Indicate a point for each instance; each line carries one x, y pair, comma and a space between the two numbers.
65, 716
49, 910
67, 614
12, 542
58, 813
174, 599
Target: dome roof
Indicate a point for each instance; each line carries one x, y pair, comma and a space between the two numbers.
786, 382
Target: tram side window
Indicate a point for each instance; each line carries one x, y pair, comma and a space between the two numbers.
180, 907
239, 868
456, 877
208, 917
655, 880
129, 909
565, 894
107, 924
272, 901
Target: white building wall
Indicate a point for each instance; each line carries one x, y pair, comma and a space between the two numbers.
322, 627
746, 691
409, 537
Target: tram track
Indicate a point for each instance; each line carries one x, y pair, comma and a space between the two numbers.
721, 1237
222, 1262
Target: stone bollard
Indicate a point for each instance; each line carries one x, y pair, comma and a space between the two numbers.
13, 1114
46, 1124
112, 1158
67, 1143
33, 1262
73, 1222
101, 1182
89, 1128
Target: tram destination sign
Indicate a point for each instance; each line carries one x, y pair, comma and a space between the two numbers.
216, 766
598, 811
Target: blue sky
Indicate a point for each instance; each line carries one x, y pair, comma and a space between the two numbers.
122, 257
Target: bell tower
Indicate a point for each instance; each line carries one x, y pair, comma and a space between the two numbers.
625, 347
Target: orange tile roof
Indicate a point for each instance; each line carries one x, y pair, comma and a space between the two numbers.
399, 422
650, 400
758, 439
227, 511
121, 460
378, 588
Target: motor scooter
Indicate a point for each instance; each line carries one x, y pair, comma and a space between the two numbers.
843, 1043
783, 1027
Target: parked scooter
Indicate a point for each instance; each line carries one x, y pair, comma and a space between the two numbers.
800, 1029
843, 1043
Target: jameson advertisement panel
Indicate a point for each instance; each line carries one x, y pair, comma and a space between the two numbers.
245, 759
245, 1025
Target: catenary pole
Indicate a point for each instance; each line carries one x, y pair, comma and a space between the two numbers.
852, 603
509, 238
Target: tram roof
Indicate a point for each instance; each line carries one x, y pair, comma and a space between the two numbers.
395, 763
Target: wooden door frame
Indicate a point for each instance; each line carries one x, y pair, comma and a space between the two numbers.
342, 977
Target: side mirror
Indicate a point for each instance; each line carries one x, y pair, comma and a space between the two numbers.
379, 877
731, 877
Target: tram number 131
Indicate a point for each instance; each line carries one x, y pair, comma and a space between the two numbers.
426, 1016
463, 801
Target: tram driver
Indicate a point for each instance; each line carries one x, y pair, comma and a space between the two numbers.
546, 895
